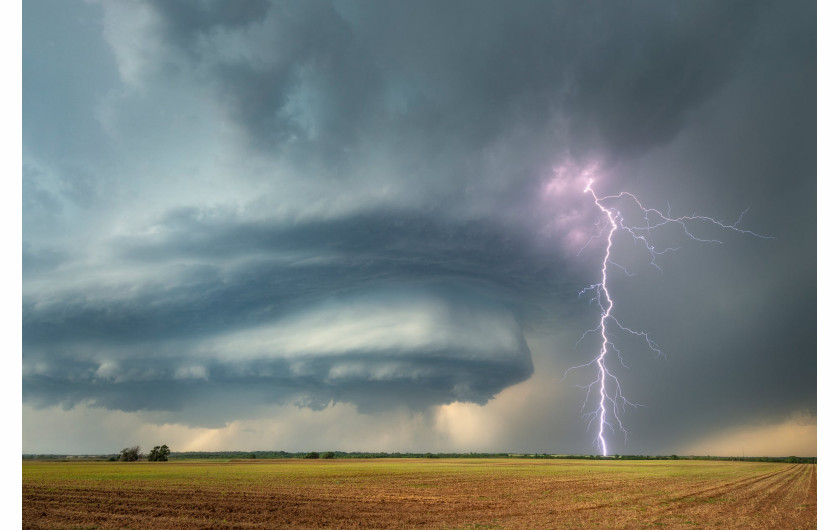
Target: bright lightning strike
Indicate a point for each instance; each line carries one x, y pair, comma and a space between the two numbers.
611, 400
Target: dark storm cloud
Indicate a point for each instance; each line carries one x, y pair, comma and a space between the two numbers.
278, 267
113, 347
414, 381
314, 201
318, 81
407, 243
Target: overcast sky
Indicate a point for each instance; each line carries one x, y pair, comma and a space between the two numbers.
308, 225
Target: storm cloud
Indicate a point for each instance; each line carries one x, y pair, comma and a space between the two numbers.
231, 209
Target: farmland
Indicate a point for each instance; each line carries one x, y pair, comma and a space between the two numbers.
391, 493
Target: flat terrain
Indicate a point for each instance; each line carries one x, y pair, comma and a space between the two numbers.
410, 493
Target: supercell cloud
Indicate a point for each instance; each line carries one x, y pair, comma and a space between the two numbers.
234, 209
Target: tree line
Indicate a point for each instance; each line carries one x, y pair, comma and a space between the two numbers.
162, 453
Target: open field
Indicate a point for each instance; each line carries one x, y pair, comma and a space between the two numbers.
403, 493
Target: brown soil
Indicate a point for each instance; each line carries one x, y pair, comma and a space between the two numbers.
496, 494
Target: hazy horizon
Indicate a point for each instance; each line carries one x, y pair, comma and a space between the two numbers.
492, 454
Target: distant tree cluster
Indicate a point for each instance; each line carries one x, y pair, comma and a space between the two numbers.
313, 455
131, 454
159, 454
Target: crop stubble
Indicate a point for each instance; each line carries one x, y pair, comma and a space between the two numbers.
410, 493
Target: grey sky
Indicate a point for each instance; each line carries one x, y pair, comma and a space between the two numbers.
334, 218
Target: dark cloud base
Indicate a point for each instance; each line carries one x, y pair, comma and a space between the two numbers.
445, 378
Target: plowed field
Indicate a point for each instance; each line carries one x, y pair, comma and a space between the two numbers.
412, 493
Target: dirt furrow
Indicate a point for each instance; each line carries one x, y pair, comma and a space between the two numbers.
728, 487
758, 502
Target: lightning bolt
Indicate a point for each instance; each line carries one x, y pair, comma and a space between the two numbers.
611, 401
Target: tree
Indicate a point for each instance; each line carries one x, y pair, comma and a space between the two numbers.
159, 454
313, 454
328, 454
130, 454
